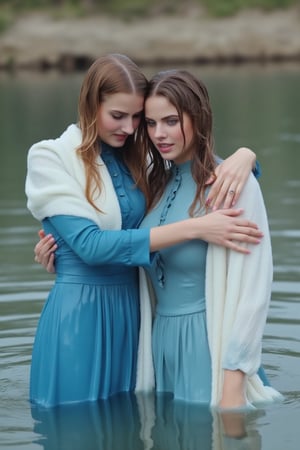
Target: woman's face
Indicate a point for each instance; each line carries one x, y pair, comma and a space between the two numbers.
164, 130
119, 116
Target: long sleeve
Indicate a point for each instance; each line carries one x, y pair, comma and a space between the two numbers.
238, 291
249, 282
95, 246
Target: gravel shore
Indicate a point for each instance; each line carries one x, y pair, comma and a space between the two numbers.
39, 41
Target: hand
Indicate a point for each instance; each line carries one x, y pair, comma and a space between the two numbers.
44, 251
224, 227
233, 394
231, 176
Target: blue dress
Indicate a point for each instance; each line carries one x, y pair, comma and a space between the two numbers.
181, 354
86, 341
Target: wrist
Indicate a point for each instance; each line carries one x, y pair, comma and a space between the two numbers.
194, 230
233, 394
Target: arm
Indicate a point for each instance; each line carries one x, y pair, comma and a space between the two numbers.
238, 293
231, 176
234, 390
133, 247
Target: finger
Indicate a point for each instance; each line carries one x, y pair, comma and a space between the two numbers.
244, 225
222, 195
45, 244
247, 227
233, 213
230, 198
237, 247
210, 180
41, 234
215, 188
50, 265
247, 235
46, 253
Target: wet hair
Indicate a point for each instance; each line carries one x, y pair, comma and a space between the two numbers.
188, 95
110, 74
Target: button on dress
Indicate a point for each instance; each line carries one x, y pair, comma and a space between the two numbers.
86, 342
180, 346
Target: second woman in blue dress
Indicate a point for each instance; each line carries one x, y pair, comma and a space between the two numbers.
210, 310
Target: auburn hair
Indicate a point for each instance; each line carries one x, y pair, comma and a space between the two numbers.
111, 74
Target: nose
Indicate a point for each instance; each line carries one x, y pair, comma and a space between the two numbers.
128, 126
159, 132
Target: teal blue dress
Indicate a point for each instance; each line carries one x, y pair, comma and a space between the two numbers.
85, 346
181, 354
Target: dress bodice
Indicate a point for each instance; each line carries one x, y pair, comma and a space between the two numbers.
177, 273
112, 249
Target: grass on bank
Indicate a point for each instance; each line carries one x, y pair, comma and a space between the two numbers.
127, 9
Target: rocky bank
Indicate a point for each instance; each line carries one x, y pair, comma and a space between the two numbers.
39, 41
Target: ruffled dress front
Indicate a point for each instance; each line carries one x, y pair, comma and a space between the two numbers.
86, 341
179, 340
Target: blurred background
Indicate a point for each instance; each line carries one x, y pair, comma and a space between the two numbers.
248, 54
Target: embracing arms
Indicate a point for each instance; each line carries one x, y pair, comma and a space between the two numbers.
223, 227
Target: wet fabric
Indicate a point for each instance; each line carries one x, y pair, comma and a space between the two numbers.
179, 339
86, 341
180, 344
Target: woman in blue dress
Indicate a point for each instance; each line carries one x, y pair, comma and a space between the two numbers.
88, 188
211, 307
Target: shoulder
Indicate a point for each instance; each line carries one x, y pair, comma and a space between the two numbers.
69, 140
61, 148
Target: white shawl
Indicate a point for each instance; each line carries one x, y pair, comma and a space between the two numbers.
238, 291
55, 183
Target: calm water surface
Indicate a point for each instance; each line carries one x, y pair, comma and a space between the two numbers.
258, 107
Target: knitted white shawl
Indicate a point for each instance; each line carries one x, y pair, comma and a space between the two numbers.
238, 291
55, 183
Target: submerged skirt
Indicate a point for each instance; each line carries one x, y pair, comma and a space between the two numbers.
86, 341
181, 356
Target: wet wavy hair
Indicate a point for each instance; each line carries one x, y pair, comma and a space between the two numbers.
188, 95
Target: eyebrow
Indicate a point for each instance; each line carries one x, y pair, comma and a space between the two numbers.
124, 112
165, 117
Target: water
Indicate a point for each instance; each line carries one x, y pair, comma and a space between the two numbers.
254, 106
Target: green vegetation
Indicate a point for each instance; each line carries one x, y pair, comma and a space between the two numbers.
223, 7
10, 9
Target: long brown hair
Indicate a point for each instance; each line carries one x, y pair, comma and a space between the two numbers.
188, 95
108, 75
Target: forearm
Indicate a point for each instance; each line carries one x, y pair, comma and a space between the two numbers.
172, 234
222, 228
97, 247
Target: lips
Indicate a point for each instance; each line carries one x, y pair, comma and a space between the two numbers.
121, 137
163, 148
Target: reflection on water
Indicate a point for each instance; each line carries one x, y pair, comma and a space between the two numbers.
144, 422
253, 106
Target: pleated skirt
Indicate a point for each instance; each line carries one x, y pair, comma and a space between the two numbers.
86, 341
181, 357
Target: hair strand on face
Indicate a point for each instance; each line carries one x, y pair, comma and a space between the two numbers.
188, 95
108, 75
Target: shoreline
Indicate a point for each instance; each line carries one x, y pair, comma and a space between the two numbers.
39, 42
